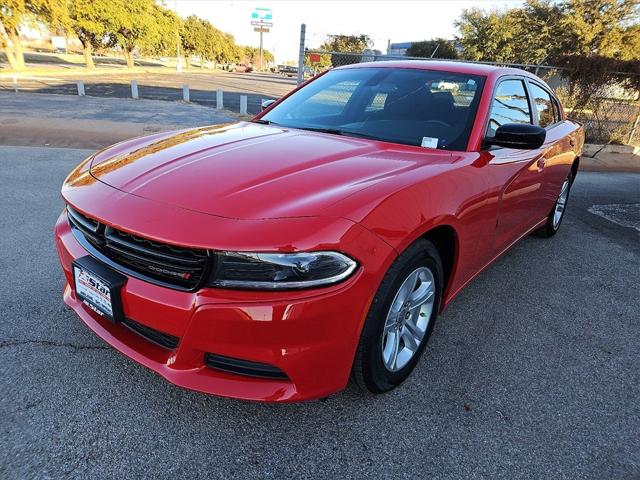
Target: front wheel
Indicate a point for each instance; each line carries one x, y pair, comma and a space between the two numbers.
550, 228
400, 319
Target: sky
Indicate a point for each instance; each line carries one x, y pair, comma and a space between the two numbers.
382, 20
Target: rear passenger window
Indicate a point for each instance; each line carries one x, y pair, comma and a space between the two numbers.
544, 105
509, 105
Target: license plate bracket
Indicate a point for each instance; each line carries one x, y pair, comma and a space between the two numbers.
99, 287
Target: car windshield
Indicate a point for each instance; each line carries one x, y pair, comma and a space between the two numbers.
410, 106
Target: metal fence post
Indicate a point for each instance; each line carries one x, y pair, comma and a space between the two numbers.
185, 92
303, 29
134, 89
243, 104
80, 85
219, 103
636, 126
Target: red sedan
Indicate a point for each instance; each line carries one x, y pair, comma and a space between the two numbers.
276, 259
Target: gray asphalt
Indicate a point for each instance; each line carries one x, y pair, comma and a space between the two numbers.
15, 107
203, 85
531, 373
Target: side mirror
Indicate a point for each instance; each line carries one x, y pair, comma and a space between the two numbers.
522, 136
267, 103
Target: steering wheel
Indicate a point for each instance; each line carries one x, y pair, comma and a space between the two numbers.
440, 122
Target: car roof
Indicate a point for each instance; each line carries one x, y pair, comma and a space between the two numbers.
454, 67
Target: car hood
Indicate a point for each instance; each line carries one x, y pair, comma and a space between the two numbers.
253, 171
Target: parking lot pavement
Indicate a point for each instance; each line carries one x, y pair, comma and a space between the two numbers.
91, 122
165, 86
532, 372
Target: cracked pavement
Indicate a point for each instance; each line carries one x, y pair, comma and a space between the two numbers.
532, 372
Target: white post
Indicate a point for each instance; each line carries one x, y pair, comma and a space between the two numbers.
134, 89
80, 85
303, 28
243, 104
15, 84
219, 103
185, 92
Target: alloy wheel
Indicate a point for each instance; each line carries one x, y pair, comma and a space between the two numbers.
408, 319
560, 204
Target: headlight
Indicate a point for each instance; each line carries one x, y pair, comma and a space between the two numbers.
279, 271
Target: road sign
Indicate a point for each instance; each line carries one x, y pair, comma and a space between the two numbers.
261, 19
261, 15
314, 57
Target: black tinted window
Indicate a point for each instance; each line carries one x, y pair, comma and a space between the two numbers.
544, 105
402, 105
509, 105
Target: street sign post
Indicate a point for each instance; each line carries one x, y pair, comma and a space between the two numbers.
261, 20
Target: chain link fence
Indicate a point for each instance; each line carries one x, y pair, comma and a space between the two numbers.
612, 116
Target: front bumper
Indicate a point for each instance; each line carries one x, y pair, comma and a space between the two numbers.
310, 335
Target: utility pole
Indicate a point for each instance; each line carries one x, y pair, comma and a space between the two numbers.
303, 29
261, 57
178, 59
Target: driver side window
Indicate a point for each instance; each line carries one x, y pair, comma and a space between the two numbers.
509, 105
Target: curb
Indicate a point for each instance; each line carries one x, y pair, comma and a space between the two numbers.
610, 158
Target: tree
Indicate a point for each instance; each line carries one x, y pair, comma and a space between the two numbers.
166, 34
191, 37
135, 26
13, 13
438, 48
599, 27
352, 45
93, 22
544, 31
487, 36
252, 55
199, 37
537, 26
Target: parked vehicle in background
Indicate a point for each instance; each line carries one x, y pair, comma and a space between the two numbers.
287, 70
242, 68
274, 259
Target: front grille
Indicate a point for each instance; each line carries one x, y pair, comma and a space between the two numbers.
159, 338
168, 265
244, 367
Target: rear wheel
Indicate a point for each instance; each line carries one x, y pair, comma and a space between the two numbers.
400, 319
556, 215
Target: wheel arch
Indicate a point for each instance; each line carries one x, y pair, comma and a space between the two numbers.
445, 238
574, 168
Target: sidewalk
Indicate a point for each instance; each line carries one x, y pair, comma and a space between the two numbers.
94, 122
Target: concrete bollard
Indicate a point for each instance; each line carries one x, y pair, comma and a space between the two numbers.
185, 93
243, 104
219, 103
15, 84
80, 85
134, 89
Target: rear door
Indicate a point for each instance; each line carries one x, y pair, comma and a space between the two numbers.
518, 173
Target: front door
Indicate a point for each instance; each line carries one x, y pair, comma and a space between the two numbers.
518, 173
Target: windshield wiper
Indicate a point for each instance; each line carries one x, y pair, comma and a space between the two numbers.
263, 122
338, 131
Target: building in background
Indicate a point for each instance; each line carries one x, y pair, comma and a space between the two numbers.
399, 49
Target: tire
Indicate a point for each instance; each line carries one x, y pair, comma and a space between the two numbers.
373, 367
551, 227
